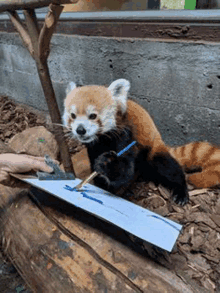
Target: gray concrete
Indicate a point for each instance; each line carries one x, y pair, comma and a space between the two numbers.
171, 15
179, 83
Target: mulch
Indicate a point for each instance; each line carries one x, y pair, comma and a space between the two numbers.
196, 257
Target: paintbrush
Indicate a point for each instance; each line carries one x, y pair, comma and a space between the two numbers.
94, 174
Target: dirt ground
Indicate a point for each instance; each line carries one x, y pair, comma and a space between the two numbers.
196, 257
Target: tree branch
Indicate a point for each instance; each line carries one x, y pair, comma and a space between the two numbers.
48, 29
39, 48
33, 29
22, 31
30, 4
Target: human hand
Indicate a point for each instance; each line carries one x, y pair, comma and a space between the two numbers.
19, 163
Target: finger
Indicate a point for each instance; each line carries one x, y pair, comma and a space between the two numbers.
42, 159
41, 166
46, 168
32, 157
38, 163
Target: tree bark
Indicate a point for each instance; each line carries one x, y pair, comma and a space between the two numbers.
38, 44
49, 94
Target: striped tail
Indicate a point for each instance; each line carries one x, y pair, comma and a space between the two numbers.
201, 157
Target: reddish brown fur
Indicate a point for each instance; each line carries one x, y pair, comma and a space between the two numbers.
99, 123
98, 96
145, 130
201, 154
191, 155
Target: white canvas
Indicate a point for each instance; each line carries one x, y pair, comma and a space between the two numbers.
139, 221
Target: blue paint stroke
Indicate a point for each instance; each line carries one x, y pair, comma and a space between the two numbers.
67, 187
92, 198
173, 226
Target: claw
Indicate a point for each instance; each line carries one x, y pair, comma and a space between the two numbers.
180, 197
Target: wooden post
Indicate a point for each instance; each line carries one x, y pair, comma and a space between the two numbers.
38, 44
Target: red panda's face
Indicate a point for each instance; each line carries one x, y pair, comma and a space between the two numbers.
92, 110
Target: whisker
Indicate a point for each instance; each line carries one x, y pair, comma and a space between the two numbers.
64, 126
69, 135
96, 138
115, 134
107, 135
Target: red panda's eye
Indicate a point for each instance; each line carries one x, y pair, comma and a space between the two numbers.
92, 116
73, 116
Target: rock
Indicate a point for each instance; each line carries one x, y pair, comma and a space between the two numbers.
4, 148
35, 141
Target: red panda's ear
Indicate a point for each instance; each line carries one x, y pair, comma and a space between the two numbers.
119, 89
71, 86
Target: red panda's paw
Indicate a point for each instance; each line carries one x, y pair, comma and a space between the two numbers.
180, 196
107, 164
102, 182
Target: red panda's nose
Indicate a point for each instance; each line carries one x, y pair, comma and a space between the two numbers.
80, 130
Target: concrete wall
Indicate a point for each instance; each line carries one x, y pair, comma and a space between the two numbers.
178, 82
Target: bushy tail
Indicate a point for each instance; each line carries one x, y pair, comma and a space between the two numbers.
196, 156
201, 157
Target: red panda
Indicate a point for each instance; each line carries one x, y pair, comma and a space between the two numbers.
201, 158
105, 121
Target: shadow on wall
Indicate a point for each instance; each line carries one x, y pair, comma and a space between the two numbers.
107, 5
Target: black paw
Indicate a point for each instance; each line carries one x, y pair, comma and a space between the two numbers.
180, 196
106, 164
102, 182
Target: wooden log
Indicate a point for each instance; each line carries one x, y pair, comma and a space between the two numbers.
30, 4
65, 250
58, 248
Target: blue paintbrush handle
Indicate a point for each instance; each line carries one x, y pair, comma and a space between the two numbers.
126, 148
